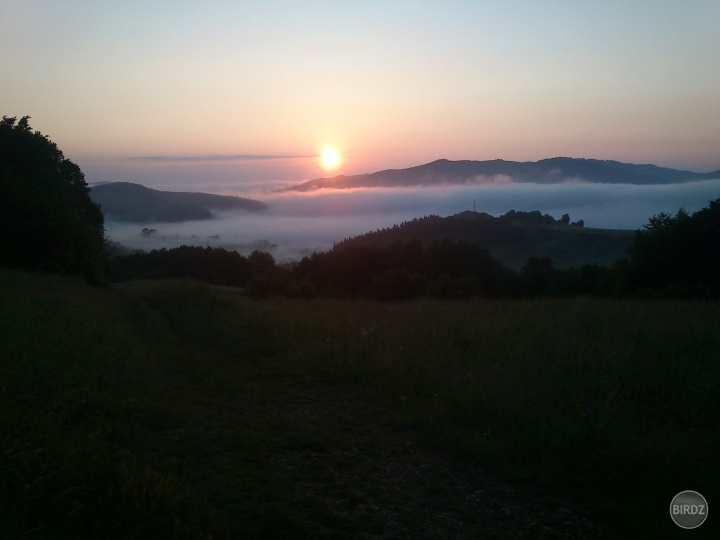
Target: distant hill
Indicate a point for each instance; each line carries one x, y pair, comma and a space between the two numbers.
123, 201
546, 171
512, 238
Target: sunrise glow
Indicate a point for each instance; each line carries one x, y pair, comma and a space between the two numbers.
260, 90
329, 158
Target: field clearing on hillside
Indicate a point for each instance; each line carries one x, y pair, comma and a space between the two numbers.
170, 408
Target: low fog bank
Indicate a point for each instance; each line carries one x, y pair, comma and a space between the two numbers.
297, 224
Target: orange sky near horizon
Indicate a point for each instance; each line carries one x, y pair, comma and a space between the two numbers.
388, 84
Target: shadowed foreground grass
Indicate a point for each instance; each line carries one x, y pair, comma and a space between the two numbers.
151, 410
614, 398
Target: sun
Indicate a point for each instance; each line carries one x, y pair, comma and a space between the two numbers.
329, 158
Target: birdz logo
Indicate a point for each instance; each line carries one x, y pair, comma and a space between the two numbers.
688, 509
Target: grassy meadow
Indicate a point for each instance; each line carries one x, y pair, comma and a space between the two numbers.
175, 410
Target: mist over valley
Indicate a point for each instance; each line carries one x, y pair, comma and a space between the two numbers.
291, 224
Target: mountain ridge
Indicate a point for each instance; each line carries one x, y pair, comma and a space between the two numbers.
135, 203
545, 171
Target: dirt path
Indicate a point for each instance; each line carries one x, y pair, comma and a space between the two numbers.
401, 488
282, 456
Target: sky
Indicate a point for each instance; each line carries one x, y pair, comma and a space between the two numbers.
232, 96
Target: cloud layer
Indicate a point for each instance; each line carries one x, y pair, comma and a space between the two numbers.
220, 157
297, 224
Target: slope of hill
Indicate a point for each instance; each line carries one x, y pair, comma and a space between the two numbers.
124, 201
512, 238
546, 171
173, 410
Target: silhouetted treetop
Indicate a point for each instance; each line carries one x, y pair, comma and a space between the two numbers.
49, 221
678, 254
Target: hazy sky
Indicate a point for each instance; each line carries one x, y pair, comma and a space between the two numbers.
389, 84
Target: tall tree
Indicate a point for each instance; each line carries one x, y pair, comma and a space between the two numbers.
47, 219
678, 254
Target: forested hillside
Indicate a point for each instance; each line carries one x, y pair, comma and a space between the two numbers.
512, 238
123, 201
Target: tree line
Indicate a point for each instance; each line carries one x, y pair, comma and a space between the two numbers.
673, 256
51, 225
